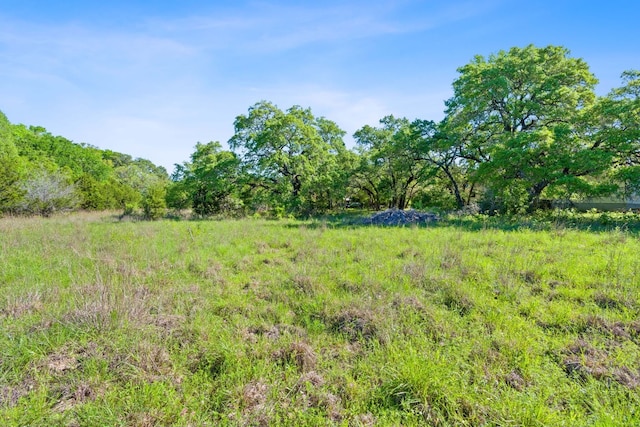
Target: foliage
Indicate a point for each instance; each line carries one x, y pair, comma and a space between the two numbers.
46, 192
391, 166
154, 203
35, 143
438, 146
518, 116
178, 197
522, 131
36, 165
209, 181
289, 157
11, 168
618, 129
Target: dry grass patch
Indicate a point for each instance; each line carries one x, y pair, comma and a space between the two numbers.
20, 305
356, 324
583, 360
11, 394
105, 305
73, 395
298, 353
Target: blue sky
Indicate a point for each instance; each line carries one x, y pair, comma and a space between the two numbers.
152, 78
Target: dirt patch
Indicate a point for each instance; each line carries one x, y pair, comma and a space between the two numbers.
456, 300
627, 377
515, 380
22, 305
310, 393
58, 363
11, 394
83, 392
607, 302
254, 401
615, 329
272, 332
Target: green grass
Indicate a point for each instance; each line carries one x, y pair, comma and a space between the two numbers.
531, 322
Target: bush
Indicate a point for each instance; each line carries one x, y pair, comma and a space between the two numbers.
154, 203
46, 192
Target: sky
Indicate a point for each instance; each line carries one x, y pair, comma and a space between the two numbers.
152, 78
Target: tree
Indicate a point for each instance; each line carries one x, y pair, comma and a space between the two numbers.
439, 146
133, 180
36, 144
11, 167
517, 118
618, 130
209, 180
287, 156
391, 166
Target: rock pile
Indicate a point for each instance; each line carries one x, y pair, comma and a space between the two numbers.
400, 217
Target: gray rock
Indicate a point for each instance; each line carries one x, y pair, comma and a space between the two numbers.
400, 217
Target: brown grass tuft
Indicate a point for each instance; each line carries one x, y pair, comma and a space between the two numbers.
584, 360
355, 324
300, 354
456, 300
627, 377
363, 420
255, 394
102, 306
416, 272
515, 380
607, 302
304, 284
10, 395
71, 397
311, 394
20, 305
254, 402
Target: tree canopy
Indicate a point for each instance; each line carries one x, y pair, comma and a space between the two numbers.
518, 117
290, 156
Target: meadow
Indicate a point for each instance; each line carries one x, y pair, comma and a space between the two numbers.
528, 322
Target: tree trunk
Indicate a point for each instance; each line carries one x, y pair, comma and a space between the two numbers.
456, 188
534, 195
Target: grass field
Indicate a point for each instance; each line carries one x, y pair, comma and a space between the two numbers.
258, 322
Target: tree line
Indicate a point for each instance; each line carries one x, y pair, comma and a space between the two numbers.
523, 127
41, 173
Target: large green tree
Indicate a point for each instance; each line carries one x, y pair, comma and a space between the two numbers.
289, 156
518, 119
210, 180
36, 144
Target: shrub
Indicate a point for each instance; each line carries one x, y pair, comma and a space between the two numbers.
154, 203
46, 192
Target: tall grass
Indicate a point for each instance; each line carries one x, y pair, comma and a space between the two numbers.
257, 322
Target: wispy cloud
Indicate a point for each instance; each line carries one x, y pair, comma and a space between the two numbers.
270, 27
156, 87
